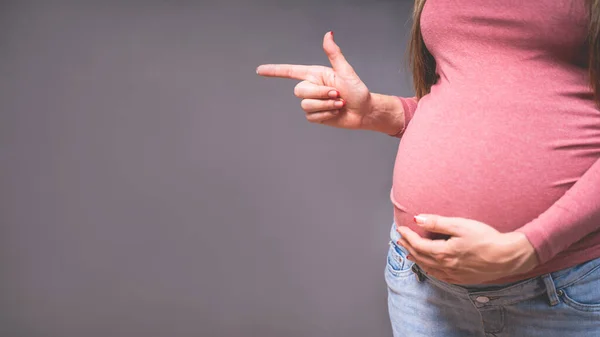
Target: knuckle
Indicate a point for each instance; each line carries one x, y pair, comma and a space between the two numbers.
305, 105
449, 263
311, 118
298, 91
451, 227
440, 256
301, 89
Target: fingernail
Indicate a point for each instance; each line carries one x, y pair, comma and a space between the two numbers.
419, 219
339, 104
331, 34
334, 94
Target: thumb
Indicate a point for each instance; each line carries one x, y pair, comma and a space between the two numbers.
336, 58
442, 225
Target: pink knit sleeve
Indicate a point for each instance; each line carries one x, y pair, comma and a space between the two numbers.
573, 216
409, 105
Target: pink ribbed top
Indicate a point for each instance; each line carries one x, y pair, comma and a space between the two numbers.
510, 134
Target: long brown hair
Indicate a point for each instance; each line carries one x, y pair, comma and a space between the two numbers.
423, 64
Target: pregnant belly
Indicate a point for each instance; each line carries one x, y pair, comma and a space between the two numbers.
487, 169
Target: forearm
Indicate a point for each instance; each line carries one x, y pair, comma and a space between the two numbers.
572, 217
387, 115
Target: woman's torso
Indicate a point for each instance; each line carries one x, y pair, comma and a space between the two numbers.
511, 124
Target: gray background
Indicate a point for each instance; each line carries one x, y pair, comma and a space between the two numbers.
152, 185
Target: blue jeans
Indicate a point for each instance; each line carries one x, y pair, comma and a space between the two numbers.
565, 303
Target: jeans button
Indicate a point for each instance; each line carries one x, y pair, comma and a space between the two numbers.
482, 299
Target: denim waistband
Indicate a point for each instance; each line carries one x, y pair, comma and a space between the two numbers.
506, 294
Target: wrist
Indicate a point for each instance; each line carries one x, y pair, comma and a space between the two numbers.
385, 114
520, 254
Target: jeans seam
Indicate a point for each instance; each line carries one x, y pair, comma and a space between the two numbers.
571, 303
502, 320
580, 277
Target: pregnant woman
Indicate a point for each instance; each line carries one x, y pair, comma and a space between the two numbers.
496, 187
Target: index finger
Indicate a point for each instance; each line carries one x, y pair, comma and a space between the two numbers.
293, 71
422, 245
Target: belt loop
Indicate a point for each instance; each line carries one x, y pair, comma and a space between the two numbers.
550, 289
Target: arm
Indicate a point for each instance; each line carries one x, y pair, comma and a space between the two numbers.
359, 108
389, 114
573, 216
